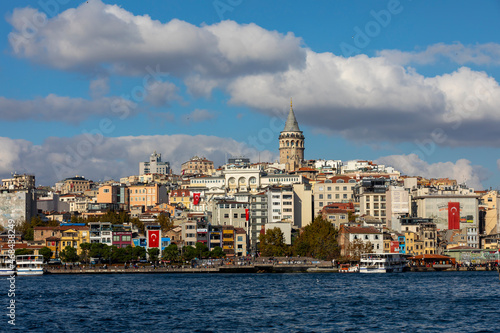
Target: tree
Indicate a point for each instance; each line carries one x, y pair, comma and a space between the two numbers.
46, 253
153, 253
69, 254
85, 247
272, 243
318, 240
357, 247
171, 253
188, 253
99, 250
21, 252
201, 250
217, 252
138, 253
138, 223
164, 222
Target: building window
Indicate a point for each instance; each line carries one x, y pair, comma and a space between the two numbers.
226, 216
235, 215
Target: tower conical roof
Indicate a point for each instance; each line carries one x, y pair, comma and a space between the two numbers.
291, 124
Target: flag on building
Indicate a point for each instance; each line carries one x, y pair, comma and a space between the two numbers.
247, 214
453, 215
196, 199
153, 238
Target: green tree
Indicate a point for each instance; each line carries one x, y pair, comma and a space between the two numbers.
164, 222
99, 250
272, 243
20, 252
171, 253
153, 253
46, 253
318, 240
138, 223
138, 253
202, 250
217, 252
188, 253
85, 247
69, 254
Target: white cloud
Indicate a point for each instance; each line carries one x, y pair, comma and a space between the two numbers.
96, 37
97, 157
370, 99
478, 54
162, 93
64, 109
462, 170
360, 98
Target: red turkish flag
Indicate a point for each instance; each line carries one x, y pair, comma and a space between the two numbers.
453, 215
153, 238
247, 214
196, 199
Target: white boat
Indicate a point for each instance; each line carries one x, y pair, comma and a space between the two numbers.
29, 264
382, 263
6, 265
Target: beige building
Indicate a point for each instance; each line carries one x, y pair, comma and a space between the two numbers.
147, 195
241, 242
303, 205
19, 182
75, 184
197, 165
291, 143
491, 200
333, 190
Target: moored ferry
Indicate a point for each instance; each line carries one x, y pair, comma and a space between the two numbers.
382, 263
6, 265
29, 264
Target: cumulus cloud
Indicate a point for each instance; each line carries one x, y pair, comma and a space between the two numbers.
462, 170
97, 157
478, 54
64, 109
97, 37
162, 93
366, 99
371, 99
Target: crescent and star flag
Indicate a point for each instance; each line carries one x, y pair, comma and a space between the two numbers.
453, 215
247, 214
153, 238
196, 199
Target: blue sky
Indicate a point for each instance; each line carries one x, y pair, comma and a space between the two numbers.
405, 83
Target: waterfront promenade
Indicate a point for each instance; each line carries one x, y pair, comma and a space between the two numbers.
265, 265
254, 267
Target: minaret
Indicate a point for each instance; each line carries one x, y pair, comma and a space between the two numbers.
291, 143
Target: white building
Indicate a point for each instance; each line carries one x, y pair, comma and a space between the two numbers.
155, 165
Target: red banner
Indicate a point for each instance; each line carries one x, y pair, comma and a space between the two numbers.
394, 247
453, 215
153, 238
196, 199
247, 214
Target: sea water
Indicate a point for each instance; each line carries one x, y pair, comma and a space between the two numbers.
407, 302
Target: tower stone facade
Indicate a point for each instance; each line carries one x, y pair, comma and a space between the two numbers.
291, 143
